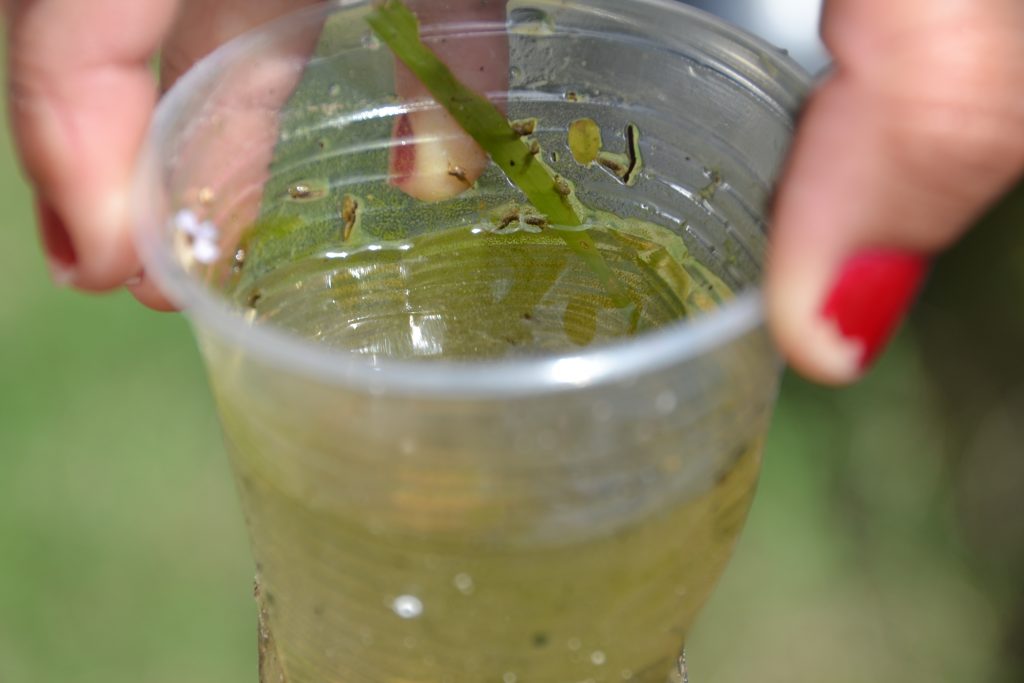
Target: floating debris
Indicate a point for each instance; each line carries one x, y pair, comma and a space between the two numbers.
587, 148
459, 174
562, 186
585, 141
308, 190
524, 127
626, 167
708, 192
515, 218
349, 216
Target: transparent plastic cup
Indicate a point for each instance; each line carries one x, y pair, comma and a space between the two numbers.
553, 517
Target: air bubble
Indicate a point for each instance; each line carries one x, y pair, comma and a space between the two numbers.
407, 606
370, 41
666, 402
464, 583
530, 21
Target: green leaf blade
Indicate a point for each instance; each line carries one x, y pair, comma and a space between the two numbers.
397, 26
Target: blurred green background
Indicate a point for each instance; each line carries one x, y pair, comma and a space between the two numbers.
886, 543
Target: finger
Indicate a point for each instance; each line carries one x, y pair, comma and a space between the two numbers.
80, 97
225, 166
913, 135
202, 26
148, 293
435, 159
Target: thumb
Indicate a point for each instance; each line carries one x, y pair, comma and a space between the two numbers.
434, 158
913, 135
81, 96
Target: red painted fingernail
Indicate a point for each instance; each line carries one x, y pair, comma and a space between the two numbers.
403, 153
60, 250
871, 296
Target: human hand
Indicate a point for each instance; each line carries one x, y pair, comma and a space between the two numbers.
916, 131
919, 128
82, 94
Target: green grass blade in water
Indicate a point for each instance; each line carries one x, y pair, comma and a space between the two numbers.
397, 26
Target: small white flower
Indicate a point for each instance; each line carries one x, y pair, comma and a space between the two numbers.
187, 221
203, 235
205, 251
207, 232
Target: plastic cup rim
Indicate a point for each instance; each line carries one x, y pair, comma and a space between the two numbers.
616, 361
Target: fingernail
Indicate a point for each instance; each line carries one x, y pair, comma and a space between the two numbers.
60, 250
871, 295
403, 153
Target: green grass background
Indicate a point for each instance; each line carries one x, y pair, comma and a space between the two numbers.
122, 552
886, 543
